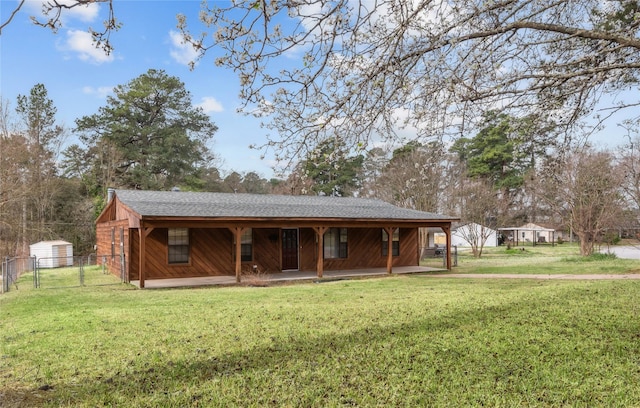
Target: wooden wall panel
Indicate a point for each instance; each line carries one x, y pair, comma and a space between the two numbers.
134, 257
409, 251
266, 251
365, 250
106, 251
307, 243
212, 252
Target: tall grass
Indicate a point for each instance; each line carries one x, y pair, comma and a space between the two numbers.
399, 341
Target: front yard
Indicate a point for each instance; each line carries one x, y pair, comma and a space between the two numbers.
394, 341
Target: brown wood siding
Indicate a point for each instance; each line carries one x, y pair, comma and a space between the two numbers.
210, 254
104, 250
365, 250
409, 248
266, 250
134, 259
307, 242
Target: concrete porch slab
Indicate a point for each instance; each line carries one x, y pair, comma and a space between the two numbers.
280, 277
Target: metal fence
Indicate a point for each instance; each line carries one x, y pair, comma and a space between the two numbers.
13, 268
66, 271
437, 256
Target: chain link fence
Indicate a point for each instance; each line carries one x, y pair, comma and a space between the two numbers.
436, 256
61, 272
13, 269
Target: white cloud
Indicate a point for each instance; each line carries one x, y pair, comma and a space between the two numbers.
101, 92
85, 13
81, 43
182, 52
210, 104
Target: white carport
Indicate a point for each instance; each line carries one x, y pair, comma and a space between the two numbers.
530, 234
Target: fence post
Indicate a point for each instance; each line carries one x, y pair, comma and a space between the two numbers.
35, 272
123, 266
4, 275
123, 269
81, 273
455, 255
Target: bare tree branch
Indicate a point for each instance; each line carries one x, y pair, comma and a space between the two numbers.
52, 11
360, 69
13, 14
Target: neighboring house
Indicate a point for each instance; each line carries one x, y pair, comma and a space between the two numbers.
470, 234
170, 234
52, 254
529, 233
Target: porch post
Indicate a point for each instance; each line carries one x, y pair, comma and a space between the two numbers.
447, 233
237, 233
320, 238
143, 233
389, 231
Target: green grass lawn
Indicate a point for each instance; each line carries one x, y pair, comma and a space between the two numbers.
394, 341
543, 259
66, 277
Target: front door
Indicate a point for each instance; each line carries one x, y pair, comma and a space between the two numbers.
289, 249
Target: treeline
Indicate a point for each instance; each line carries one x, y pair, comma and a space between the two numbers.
149, 136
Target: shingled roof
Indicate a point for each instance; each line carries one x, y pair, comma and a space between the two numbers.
227, 205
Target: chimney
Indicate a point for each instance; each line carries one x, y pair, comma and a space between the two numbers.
110, 192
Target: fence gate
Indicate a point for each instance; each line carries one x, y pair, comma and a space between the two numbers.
85, 271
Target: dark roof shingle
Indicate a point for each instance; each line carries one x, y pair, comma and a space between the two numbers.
227, 205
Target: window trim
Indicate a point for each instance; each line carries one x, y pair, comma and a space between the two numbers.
395, 245
340, 244
176, 258
246, 234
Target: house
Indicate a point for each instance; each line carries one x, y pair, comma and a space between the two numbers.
170, 234
52, 254
476, 234
529, 233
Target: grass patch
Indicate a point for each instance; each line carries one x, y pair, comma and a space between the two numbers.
543, 259
398, 341
596, 257
73, 276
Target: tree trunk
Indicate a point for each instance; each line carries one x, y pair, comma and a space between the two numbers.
586, 244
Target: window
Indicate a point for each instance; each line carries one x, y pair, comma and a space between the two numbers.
178, 245
395, 243
335, 243
246, 245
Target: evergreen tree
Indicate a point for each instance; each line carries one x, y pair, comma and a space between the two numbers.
148, 136
332, 171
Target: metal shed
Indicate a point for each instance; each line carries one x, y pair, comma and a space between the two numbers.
52, 254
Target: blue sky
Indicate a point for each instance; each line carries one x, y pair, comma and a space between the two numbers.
79, 77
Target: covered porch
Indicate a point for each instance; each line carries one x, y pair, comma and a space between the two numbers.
287, 276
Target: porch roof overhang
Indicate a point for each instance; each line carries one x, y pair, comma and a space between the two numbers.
169, 222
